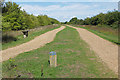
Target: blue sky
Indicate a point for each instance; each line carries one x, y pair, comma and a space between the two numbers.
64, 10
63, 0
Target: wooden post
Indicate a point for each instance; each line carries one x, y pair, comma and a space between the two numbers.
53, 59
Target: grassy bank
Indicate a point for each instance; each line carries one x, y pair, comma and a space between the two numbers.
74, 60
32, 34
104, 32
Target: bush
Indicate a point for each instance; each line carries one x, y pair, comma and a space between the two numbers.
15, 19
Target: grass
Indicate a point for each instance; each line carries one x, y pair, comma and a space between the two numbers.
19, 39
74, 60
105, 33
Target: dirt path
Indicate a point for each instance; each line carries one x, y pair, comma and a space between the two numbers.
107, 51
31, 45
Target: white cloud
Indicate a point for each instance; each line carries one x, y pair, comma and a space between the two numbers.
39, 8
73, 16
67, 11
75, 7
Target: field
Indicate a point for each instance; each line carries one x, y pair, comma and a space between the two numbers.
85, 37
74, 58
15, 38
104, 32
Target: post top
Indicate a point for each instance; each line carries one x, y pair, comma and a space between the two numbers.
52, 53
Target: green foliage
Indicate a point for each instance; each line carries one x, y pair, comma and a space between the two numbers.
11, 64
12, 67
14, 38
54, 21
15, 19
111, 19
74, 20
74, 58
104, 32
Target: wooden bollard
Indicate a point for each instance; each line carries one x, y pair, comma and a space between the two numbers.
53, 59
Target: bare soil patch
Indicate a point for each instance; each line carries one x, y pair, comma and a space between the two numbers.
31, 45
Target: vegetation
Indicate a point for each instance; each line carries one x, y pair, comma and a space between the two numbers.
16, 38
13, 18
104, 32
104, 25
109, 19
74, 60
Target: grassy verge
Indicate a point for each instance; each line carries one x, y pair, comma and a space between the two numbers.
104, 33
74, 60
31, 36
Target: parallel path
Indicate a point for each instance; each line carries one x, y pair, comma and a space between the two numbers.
31, 45
107, 51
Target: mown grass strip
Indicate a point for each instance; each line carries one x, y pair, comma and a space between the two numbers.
31, 36
74, 60
109, 37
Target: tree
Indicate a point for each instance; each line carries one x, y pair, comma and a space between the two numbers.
16, 19
110, 18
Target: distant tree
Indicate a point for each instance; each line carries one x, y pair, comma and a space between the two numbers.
13, 18
110, 18
66, 22
73, 20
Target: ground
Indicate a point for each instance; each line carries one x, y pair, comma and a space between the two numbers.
75, 59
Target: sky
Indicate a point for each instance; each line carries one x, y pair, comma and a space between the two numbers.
65, 10
63, 0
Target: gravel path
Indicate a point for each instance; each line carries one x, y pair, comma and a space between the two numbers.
107, 51
31, 45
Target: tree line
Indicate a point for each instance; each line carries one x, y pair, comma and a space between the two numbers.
110, 19
13, 18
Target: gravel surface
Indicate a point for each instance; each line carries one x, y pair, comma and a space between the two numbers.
31, 45
107, 51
